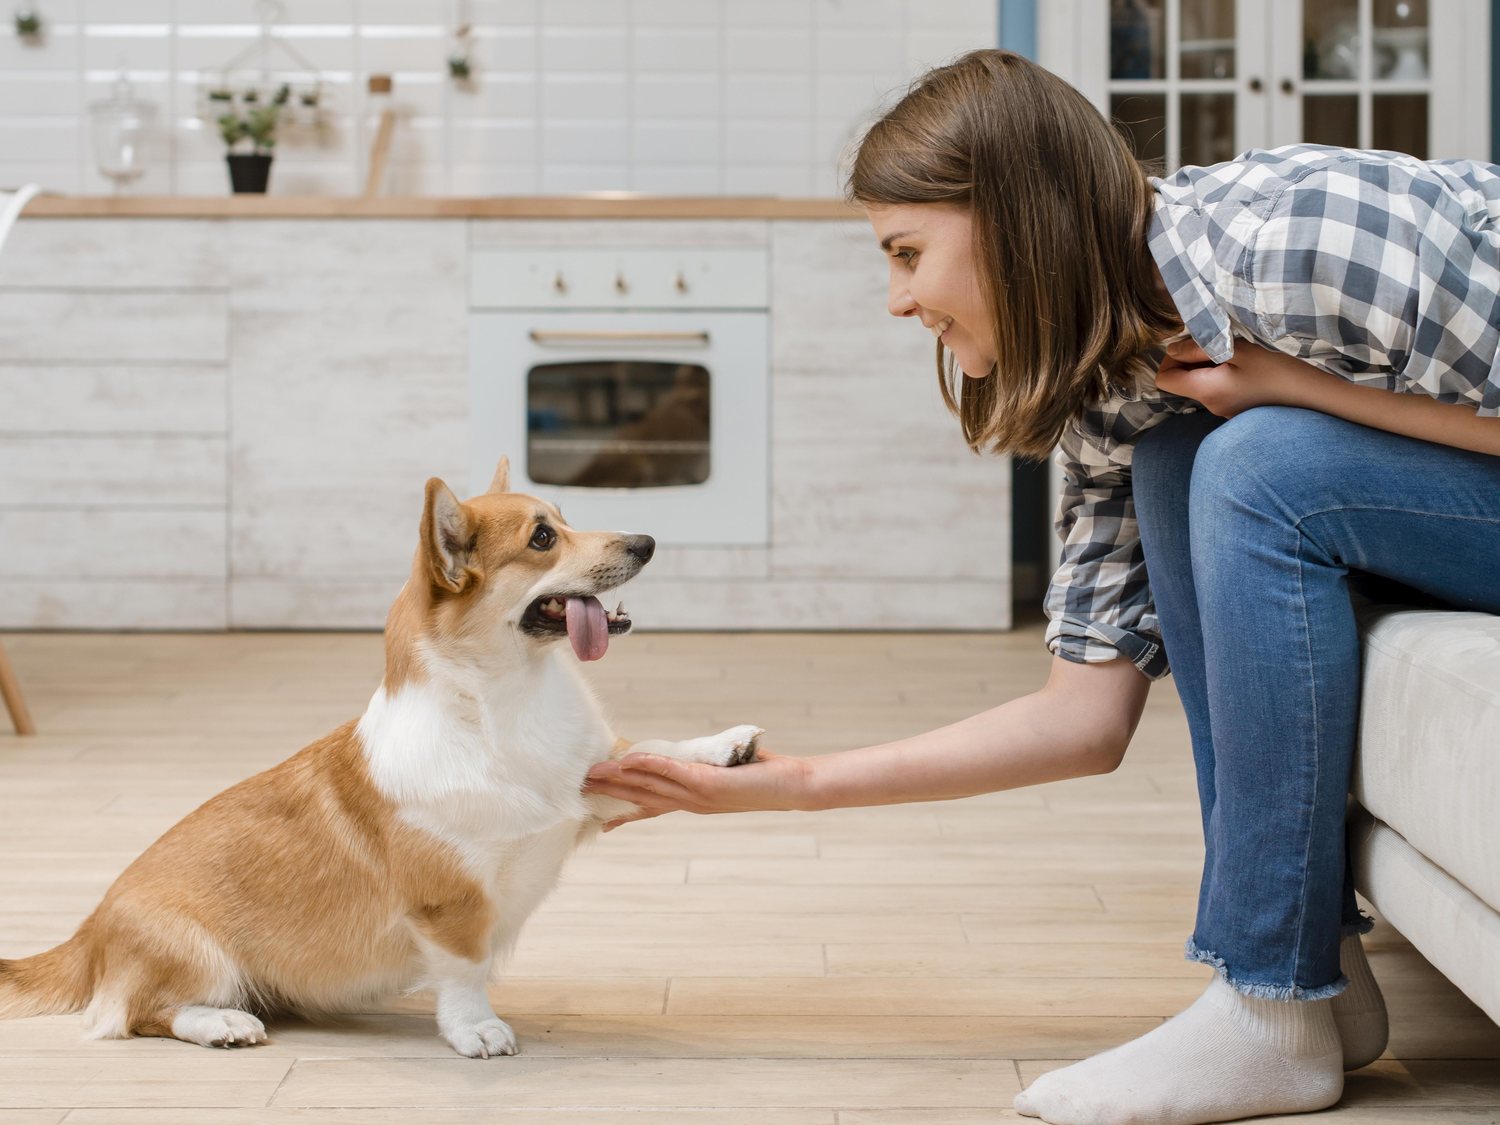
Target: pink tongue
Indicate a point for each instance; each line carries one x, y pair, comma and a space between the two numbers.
587, 628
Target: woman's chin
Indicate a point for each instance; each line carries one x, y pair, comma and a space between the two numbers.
974, 367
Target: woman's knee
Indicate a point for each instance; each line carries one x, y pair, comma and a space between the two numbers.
1265, 460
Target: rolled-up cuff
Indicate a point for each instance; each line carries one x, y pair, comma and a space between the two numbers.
1094, 642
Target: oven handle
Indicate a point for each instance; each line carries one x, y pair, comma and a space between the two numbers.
562, 338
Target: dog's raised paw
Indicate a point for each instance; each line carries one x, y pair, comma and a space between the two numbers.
483, 1040
218, 1027
740, 744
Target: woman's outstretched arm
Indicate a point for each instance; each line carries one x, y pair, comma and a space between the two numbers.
1078, 724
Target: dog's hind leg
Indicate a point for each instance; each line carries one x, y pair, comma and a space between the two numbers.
205, 1026
175, 983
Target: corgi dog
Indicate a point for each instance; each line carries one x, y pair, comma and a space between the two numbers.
405, 849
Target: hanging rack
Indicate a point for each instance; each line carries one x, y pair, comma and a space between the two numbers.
271, 12
263, 51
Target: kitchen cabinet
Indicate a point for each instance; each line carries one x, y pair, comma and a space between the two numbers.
347, 391
114, 484
216, 423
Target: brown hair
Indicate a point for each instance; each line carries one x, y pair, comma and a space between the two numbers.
1060, 207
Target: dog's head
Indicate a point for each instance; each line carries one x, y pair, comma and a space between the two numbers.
506, 562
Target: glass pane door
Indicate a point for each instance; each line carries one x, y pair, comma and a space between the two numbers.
617, 424
1176, 85
1366, 78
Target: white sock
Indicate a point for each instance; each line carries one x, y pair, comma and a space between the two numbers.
1359, 1011
1226, 1057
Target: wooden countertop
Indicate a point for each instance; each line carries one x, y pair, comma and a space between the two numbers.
602, 205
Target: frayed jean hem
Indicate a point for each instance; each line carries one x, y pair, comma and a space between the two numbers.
1263, 991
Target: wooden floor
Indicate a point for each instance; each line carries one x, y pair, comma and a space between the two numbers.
912, 965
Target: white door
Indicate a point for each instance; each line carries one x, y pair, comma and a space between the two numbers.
1197, 81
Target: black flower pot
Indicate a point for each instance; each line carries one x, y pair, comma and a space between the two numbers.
249, 171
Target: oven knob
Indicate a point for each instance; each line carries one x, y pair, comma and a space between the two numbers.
559, 284
682, 285
620, 286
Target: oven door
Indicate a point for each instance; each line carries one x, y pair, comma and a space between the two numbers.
642, 422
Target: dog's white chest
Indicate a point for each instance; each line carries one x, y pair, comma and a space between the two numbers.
486, 770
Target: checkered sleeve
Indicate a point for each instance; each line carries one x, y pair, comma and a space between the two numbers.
1387, 272
1099, 603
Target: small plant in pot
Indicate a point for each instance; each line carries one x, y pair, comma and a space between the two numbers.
249, 131
28, 25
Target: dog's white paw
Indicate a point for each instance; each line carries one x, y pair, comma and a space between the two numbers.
484, 1039
733, 747
218, 1027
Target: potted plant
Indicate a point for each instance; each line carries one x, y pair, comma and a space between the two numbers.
28, 25
249, 131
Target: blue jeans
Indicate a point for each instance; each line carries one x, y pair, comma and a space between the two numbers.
1252, 530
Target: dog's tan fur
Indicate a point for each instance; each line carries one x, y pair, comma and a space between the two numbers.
307, 888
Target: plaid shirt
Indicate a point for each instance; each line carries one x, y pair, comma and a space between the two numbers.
1378, 267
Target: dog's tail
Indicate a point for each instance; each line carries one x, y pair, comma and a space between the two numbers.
51, 983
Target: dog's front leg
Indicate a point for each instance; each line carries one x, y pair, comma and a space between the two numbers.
732, 747
464, 1016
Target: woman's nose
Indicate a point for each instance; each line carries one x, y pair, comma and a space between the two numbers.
899, 301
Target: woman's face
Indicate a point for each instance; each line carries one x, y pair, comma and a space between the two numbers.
930, 250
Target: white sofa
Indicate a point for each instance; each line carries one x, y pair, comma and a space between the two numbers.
1425, 823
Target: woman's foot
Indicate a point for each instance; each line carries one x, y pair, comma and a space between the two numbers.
1226, 1057
1359, 1011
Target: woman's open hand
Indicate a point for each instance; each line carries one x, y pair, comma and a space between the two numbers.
658, 785
1253, 376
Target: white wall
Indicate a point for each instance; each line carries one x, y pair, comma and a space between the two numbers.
664, 96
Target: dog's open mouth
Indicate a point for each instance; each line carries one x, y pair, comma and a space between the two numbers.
581, 616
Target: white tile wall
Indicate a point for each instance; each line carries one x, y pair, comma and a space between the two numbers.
671, 96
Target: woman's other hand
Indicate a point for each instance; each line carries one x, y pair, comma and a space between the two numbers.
1253, 376
657, 785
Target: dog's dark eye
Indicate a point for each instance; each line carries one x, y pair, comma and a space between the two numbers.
543, 538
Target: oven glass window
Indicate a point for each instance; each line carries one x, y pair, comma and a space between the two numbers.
617, 424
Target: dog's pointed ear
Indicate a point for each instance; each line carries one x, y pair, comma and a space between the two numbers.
448, 538
501, 483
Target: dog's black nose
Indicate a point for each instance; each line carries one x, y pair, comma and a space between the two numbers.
641, 546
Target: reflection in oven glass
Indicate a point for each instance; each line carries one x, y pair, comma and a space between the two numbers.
617, 424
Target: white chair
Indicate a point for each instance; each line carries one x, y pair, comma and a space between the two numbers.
11, 203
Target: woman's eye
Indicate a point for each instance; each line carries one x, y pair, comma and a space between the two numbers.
907, 256
542, 538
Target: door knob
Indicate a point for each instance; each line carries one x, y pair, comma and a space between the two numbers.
620, 286
1256, 85
559, 284
1287, 87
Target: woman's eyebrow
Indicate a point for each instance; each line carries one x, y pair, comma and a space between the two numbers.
885, 243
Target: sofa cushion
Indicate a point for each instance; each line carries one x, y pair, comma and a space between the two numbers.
1449, 926
1429, 737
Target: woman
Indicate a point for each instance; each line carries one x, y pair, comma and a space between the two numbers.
1262, 376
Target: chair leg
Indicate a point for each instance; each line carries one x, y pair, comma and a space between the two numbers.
15, 702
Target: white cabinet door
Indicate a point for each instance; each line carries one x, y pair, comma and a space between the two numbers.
1197, 81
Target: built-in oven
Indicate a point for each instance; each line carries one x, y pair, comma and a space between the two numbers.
628, 387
